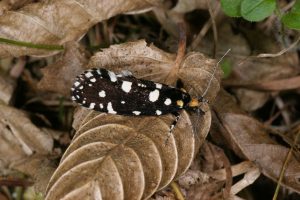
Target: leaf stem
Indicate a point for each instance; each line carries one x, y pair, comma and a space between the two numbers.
31, 45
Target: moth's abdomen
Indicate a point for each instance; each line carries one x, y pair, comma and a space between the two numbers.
123, 94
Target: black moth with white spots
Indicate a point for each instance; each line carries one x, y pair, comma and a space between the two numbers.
123, 94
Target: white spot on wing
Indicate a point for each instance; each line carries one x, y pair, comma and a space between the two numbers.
153, 96
168, 101
73, 98
93, 80
122, 102
158, 112
92, 106
81, 87
88, 74
102, 93
112, 76
126, 86
136, 112
76, 84
141, 85
101, 105
110, 109
158, 85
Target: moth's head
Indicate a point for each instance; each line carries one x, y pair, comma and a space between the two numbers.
195, 103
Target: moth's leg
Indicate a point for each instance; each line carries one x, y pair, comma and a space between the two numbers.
126, 73
203, 100
200, 112
177, 117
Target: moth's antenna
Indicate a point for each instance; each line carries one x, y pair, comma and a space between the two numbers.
212, 76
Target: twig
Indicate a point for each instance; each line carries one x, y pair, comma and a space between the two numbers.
180, 53
288, 157
15, 182
269, 55
214, 28
204, 30
177, 191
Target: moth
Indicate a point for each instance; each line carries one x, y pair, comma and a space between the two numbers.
123, 94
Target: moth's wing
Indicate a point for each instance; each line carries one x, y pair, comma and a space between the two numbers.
147, 98
95, 89
104, 91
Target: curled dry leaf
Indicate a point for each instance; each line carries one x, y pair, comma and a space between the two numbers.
7, 88
24, 146
184, 6
250, 139
57, 22
18, 129
132, 157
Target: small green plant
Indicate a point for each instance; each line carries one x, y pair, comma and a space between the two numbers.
258, 10
226, 66
292, 18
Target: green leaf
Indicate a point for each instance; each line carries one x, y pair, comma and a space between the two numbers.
257, 10
231, 8
292, 19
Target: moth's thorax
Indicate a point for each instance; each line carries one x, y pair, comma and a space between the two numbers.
183, 99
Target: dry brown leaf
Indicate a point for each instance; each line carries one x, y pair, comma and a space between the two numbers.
56, 22
273, 85
136, 154
160, 160
150, 63
198, 182
262, 70
251, 69
250, 139
59, 76
24, 146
